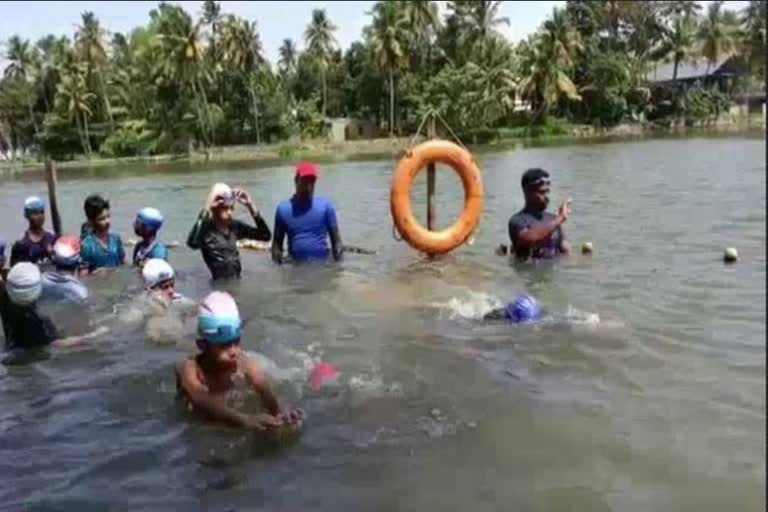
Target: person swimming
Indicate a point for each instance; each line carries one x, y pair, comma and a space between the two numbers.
36, 246
146, 225
63, 283
24, 326
204, 381
216, 232
521, 309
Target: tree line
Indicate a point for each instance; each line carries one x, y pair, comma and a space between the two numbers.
183, 82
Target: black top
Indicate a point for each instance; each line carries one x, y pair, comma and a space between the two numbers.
526, 219
23, 326
219, 249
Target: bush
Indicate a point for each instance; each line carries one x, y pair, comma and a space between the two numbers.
131, 139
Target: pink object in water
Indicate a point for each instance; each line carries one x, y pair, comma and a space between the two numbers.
322, 373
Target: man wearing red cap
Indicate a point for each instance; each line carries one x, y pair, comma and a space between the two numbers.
307, 220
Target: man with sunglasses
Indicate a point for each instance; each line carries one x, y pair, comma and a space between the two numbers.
216, 231
534, 232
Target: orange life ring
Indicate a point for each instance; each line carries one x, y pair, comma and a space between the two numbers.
418, 237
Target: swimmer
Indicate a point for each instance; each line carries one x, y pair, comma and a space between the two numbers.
216, 232
100, 248
147, 224
24, 326
62, 284
204, 381
522, 309
36, 246
534, 232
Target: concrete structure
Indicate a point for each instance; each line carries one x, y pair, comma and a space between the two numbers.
339, 129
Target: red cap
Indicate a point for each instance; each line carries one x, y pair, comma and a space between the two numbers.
307, 170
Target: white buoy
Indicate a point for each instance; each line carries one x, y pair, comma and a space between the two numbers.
731, 255
587, 248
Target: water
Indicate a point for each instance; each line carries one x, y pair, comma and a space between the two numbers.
658, 406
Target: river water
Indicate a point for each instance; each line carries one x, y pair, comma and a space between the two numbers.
651, 397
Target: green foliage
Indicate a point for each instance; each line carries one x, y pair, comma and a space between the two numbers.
191, 80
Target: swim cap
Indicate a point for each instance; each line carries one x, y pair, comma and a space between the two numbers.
24, 283
33, 204
150, 218
321, 374
523, 308
66, 252
220, 191
218, 319
156, 271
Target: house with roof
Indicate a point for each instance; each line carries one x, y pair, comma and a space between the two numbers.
724, 74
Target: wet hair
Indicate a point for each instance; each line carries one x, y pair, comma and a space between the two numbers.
94, 205
533, 176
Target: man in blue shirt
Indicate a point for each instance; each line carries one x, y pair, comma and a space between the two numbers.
307, 221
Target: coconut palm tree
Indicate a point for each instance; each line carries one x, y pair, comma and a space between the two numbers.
211, 17
74, 98
716, 34
387, 36
22, 62
90, 42
320, 43
181, 58
241, 50
288, 56
678, 44
422, 21
754, 35
546, 64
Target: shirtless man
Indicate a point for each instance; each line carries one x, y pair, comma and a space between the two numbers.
205, 380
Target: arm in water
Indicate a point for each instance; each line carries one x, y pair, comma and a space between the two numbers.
565, 245
260, 384
333, 232
72, 341
523, 236
201, 397
277, 241
194, 239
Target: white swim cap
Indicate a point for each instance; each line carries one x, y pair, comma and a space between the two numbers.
156, 271
24, 283
218, 319
33, 204
220, 190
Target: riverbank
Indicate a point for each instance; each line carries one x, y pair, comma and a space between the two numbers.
325, 151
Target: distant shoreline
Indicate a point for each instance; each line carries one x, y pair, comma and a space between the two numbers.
326, 151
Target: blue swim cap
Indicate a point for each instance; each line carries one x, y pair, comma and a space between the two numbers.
150, 218
523, 308
33, 204
218, 320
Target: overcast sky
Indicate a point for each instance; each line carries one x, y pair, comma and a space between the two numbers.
275, 20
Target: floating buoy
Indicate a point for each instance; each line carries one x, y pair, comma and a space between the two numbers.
731, 255
418, 237
587, 248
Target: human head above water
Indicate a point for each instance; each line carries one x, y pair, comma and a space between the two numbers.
97, 212
148, 222
159, 276
535, 183
24, 284
305, 179
221, 202
66, 253
523, 308
34, 211
218, 328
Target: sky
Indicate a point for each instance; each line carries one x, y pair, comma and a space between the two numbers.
275, 20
